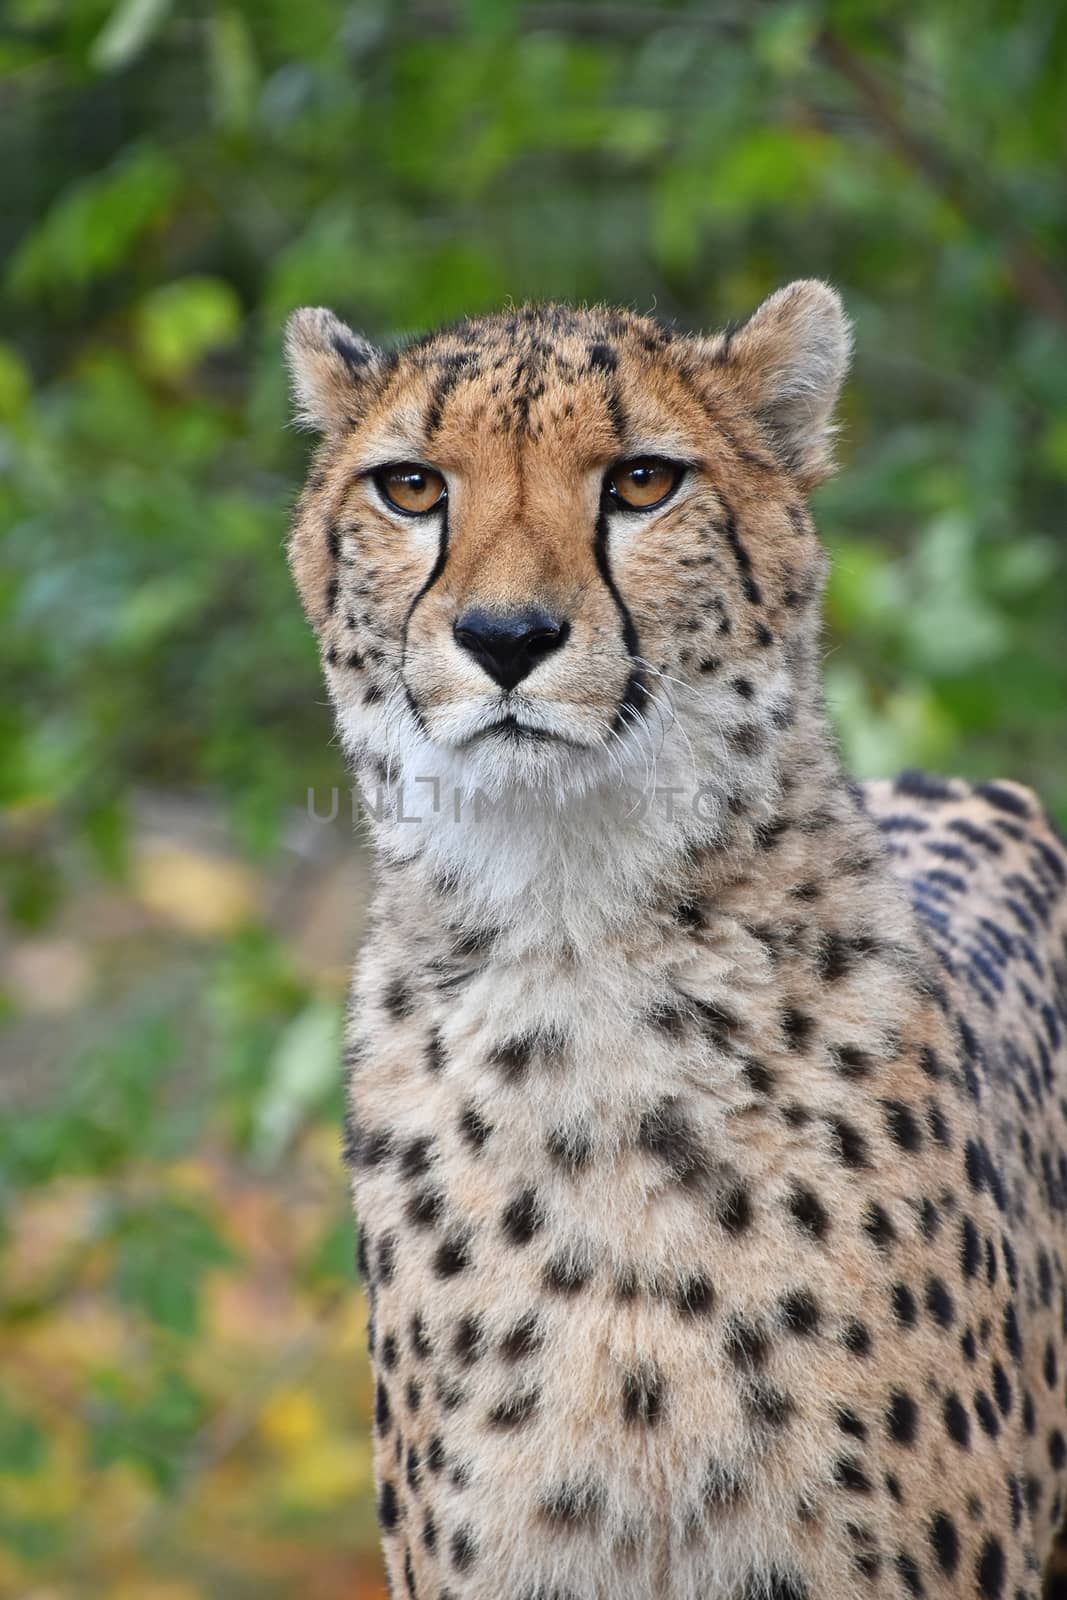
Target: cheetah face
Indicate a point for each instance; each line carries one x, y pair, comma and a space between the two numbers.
545, 544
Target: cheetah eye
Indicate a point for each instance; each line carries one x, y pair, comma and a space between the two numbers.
642, 483
410, 487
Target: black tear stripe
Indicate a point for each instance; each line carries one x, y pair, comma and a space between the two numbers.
635, 696
728, 527
435, 572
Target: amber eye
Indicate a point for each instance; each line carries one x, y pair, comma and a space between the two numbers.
642, 483
410, 487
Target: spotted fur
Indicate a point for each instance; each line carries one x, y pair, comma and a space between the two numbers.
708, 1144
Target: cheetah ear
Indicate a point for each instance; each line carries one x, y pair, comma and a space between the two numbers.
790, 358
328, 365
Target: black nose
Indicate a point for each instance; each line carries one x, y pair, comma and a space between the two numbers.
509, 644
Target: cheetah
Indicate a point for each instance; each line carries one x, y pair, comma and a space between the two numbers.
706, 1110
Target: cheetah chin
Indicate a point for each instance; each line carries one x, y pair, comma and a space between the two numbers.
706, 1110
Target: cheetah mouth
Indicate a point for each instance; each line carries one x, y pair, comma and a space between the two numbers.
511, 730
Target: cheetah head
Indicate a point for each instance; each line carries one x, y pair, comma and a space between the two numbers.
545, 548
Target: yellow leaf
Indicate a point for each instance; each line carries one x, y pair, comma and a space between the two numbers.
198, 893
335, 1471
290, 1420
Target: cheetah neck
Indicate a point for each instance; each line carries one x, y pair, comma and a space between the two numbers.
602, 872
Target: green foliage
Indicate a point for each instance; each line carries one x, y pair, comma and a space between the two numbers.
177, 179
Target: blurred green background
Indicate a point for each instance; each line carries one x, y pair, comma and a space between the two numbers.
183, 1399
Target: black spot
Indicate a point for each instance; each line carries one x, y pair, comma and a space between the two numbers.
809, 1213
464, 1549
849, 1474
775, 1585
567, 1272
940, 1132
435, 1454
722, 1486
666, 1133
473, 1127
398, 1000
735, 1210
970, 1248
642, 1395
797, 1027
748, 739
522, 1338
1003, 799
848, 1423
1057, 1449
1012, 1336
746, 1343
515, 1409
570, 1148
945, 1542
939, 1303
383, 1416
387, 1258
388, 1507
572, 1503
922, 786
760, 1079
986, 1414
603, 358
425, 1208
851, 1145
1002, 1389
415, 1157
522, 1218
852, 1062
694, 1297
799, 1312
420, 1344
878, 1226
452, 1257
856, 1338
767, 1403
469, 1340
957, 1422
910, 1575
989, 1568
905, 1307
902, 1125
902, 1418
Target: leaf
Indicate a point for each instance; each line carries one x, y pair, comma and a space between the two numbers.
179, 323
15, 384
92, 227
234, 70
162, 1253
305, 1066
127, 31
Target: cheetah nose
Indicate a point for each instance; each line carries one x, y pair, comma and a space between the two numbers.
509, 644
